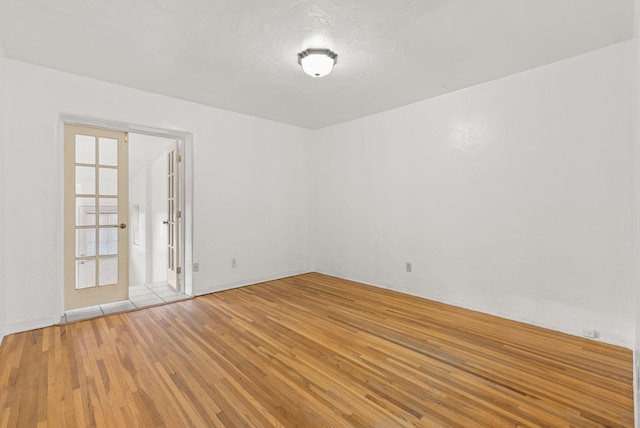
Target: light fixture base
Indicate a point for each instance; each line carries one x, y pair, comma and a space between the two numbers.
317, 62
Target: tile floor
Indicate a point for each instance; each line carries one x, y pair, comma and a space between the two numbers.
140, 296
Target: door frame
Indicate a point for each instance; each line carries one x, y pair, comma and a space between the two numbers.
185, 147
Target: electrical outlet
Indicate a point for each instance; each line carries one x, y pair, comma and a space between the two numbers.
196, 267
234, 263
408, 267
590, 333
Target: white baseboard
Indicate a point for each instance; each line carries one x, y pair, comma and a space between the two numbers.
608, 337
27, 325
249, 281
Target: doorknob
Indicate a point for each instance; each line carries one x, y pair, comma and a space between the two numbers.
165, 222
122, 226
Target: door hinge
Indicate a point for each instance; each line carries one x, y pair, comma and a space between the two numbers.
126, 137
178, 214
178, 270
178, 158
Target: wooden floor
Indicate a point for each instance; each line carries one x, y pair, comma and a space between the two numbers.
310, 351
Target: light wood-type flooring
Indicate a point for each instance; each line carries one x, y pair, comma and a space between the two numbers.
310, 351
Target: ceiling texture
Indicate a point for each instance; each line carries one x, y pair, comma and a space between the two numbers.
241, 55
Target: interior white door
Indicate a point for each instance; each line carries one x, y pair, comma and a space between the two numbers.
173, 215
95, 216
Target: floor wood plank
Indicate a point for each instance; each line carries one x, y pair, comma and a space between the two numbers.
310, 351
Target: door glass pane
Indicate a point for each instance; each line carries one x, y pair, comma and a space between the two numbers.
108, 270
85, 242
113, 242
108, 181
85, 180
108, 241
85, 211
85, 273
85, 149
108, 212
108, 151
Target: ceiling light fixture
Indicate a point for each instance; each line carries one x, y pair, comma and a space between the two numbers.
317, 62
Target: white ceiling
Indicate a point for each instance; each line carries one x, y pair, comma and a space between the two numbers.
241, 55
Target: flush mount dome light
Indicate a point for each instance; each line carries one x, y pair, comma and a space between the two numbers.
317, 62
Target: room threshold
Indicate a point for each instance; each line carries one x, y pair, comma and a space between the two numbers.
140, 296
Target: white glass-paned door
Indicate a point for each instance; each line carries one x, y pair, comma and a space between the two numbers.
96, 193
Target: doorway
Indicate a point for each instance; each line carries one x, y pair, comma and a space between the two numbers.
154, 198
146, 220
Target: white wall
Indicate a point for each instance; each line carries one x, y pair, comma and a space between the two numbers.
2, 192
250, 187
636, 199
157, 193
138, 251
148, 189
511, 198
